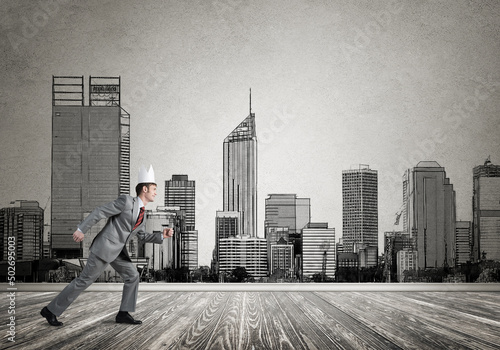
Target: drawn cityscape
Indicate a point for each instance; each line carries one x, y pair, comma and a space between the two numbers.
91, 166
331, 170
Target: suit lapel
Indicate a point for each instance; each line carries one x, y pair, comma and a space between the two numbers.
135, 213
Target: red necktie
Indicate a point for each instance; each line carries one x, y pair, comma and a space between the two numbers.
139, 219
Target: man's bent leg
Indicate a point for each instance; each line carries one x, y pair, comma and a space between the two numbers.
93, 269
130, 277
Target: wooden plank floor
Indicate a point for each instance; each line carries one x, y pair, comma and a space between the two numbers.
263, 320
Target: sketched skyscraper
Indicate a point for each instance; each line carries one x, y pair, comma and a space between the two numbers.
359, 208
429, 212
90, 155
486, 212
21, 231
240, 175
181, 192
236, 241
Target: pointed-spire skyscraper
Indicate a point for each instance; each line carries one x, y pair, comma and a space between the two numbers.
236, 241
240, 174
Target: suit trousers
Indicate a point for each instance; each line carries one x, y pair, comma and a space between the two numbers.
93, 269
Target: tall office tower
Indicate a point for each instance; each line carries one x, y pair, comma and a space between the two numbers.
90, 154
463, 234
318, 250
226, 225
236, 225
243, 251
240, 174
21, 226
429, 205
359, 208
486, 212
180, 192
406, 203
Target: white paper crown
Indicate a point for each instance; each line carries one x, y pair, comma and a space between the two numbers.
146, 176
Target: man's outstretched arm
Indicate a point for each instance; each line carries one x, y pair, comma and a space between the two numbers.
155, 237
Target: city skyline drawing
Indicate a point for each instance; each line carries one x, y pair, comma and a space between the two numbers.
300, 121
334, 84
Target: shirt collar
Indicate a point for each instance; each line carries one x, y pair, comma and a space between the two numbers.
141, 204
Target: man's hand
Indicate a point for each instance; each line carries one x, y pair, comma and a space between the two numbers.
168, 232
78, 236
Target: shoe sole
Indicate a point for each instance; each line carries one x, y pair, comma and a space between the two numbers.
126, 322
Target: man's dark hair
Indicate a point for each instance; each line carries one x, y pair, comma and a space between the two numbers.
138, 188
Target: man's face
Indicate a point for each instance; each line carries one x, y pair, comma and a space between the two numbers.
151, 193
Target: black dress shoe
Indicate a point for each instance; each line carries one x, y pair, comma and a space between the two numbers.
51, 318
124, 317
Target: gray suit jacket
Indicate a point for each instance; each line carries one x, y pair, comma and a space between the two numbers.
113, 238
